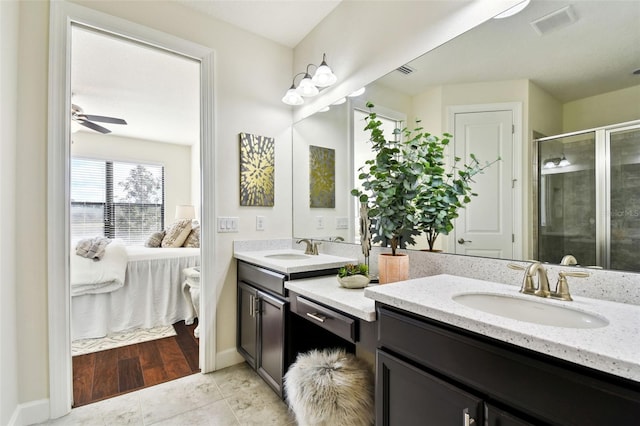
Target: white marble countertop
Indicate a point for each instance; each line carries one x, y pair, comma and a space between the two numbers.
327, 290
289, 266
614, 348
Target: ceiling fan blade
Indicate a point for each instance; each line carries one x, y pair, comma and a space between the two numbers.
94, 126
104, 119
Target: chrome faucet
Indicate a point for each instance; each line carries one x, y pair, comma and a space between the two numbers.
309, 248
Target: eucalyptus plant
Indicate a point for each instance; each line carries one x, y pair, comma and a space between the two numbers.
408, 185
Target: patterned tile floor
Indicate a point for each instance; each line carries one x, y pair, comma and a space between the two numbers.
232, 396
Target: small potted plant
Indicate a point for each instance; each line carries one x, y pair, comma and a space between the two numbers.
354, 276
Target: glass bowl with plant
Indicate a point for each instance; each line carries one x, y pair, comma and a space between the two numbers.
354, 276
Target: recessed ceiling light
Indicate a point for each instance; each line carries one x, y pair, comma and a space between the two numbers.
512, 11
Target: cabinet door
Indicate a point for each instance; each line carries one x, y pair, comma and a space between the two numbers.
406, 395
498, 417
247, 333
271, 326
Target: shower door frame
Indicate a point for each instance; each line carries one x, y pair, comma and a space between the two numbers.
602, 137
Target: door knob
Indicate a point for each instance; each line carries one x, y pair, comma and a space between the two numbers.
462, 241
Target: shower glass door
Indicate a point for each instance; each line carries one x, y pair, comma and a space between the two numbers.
567, 198
624, 207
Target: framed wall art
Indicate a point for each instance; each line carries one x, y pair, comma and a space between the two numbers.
257, 170
322, 177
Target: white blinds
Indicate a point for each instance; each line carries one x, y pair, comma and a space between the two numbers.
116, 199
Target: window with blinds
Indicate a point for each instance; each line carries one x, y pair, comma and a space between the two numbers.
116, 200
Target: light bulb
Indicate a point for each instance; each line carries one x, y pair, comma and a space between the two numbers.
323, 76
292, 97
512, 11
306, 87
564, 162
549, 164
357, 92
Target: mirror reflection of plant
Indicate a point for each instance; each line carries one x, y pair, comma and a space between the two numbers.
351, 269
408, 185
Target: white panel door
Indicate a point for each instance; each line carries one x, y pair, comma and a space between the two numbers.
485, 225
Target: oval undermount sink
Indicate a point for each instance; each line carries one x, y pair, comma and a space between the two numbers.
531, 311
287, 256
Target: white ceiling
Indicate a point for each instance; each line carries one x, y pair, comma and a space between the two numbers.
285, 22
157, 92
595, 54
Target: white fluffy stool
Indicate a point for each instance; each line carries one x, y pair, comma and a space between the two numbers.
330, 388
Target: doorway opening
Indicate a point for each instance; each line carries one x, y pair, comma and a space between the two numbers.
63, 16
134, 160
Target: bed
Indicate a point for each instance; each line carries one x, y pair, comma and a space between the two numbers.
150, 294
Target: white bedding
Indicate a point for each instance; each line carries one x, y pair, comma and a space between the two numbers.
90, 276
150, 297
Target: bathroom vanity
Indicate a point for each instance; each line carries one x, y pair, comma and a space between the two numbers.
265, 325
440, 360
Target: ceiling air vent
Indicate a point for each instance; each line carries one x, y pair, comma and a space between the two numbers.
554, 20
405, 69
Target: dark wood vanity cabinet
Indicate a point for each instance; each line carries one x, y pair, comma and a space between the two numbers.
429, 373
261, 327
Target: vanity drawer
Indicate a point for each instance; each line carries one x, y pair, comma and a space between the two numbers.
324, 317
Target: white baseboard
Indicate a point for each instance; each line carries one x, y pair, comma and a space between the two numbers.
228, 358
30, 413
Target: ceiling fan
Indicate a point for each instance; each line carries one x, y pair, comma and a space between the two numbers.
87, 120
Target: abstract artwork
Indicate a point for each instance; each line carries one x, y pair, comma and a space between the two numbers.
322, 177
257, 169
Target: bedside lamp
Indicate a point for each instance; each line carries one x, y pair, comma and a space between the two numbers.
185, 212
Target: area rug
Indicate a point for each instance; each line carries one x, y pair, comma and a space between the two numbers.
116, 340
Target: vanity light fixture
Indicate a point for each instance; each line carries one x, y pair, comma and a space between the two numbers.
551, 163
513, 10
357, 92
308, 86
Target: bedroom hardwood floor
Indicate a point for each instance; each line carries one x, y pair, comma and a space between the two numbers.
105, 374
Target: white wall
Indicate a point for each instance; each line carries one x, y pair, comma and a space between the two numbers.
601, 110
175, 158
247, 100
8, 138
365, 40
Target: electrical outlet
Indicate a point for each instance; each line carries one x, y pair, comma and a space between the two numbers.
319, 222
260, 220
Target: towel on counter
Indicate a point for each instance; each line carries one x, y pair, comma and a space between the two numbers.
92, 248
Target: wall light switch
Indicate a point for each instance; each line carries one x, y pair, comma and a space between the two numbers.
342, 223
319, 222
260, 222
228, 224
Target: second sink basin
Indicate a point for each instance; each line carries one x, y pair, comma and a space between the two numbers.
531, 311
287, 256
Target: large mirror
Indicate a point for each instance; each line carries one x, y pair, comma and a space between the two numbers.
558, 67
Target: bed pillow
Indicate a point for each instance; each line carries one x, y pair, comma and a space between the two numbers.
193, 240
154, 239
176, 233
